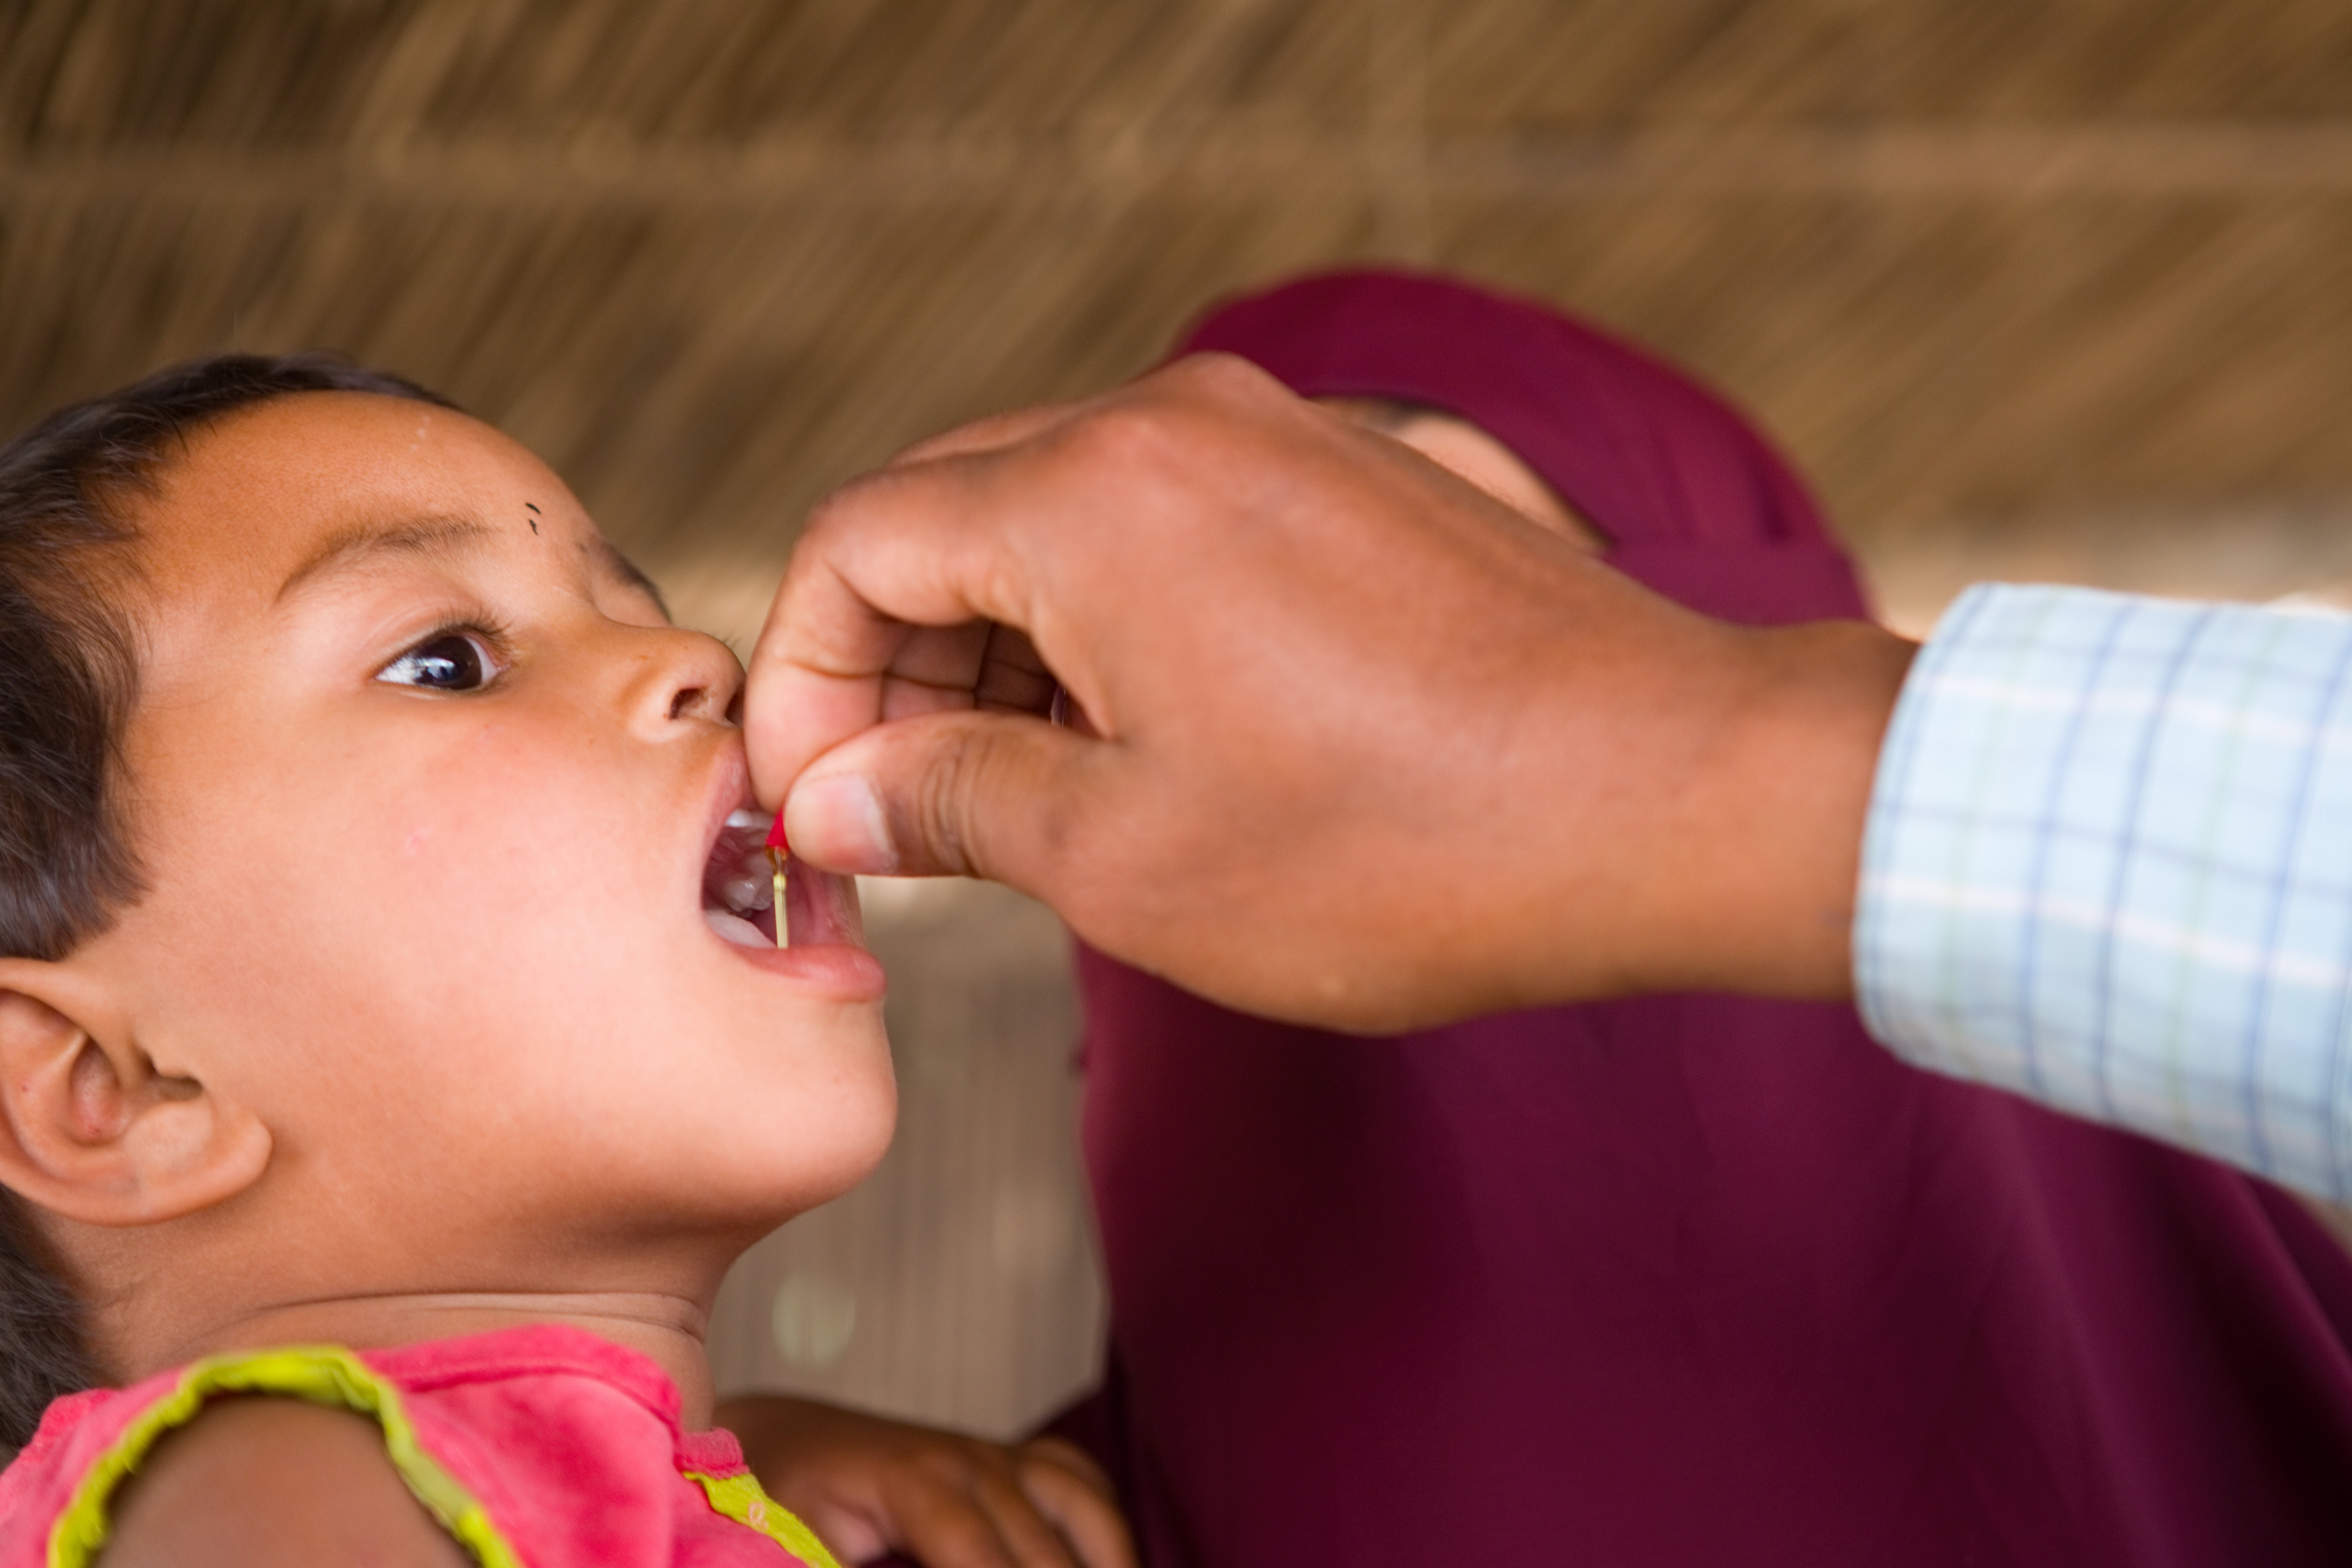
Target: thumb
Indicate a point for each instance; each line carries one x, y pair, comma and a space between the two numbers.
964, 793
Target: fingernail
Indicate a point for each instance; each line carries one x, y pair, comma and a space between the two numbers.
838, 823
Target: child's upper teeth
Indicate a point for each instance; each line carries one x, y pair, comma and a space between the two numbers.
747, 821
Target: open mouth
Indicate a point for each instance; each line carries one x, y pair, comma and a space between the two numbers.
739, 899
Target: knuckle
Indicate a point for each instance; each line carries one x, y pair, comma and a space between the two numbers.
850, 509
1126, 435
830, 513
1215, 371
1042, 1470
1229, 383
1158, 429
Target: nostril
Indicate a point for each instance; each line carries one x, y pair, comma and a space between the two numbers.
688, 699
735, 709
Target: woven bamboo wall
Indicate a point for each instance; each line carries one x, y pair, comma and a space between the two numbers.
2051, 286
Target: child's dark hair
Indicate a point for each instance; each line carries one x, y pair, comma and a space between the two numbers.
69, 675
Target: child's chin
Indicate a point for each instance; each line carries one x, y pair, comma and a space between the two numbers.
830, 1163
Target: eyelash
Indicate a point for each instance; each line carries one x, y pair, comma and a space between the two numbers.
490, 633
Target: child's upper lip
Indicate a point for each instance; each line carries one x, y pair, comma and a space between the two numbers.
731, 795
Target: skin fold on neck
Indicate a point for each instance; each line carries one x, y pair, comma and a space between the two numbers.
670, 1330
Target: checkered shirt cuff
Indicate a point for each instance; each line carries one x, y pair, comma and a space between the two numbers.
2109, 865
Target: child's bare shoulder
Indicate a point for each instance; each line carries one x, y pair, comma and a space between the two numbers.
257, 1482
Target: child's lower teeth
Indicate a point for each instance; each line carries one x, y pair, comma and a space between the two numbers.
735, 929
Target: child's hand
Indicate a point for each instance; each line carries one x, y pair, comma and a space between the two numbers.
867, 1486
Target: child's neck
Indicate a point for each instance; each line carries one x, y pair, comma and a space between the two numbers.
671, 1329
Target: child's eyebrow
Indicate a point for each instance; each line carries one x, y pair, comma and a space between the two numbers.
431, 536
443, 537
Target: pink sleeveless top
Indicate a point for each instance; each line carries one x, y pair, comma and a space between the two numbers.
543, 1446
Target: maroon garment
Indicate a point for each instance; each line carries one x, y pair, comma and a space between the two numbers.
1687, 1280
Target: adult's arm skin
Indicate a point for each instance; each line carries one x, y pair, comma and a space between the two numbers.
1355, 745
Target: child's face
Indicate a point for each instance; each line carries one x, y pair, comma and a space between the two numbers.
427, 791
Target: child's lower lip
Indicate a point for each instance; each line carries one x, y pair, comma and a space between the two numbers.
827, 952
834, 969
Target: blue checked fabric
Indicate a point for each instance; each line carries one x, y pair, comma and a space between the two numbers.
2109, 865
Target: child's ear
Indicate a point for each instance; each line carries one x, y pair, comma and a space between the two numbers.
89, 1130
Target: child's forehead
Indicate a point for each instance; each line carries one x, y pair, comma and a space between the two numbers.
254, 494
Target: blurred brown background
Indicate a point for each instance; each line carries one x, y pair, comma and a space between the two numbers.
2041, 288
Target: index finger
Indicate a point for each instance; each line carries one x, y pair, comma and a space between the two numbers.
927, 542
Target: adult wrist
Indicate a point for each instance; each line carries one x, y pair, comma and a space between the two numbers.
1800, 796
1755, 863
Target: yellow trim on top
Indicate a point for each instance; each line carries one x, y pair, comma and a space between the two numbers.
740, 1499
320, 1374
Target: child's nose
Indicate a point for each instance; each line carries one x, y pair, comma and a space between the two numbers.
693, 678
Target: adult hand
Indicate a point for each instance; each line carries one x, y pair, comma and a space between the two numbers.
1356, 744
868, 1485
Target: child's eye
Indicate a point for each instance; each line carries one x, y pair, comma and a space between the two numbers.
446, 661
